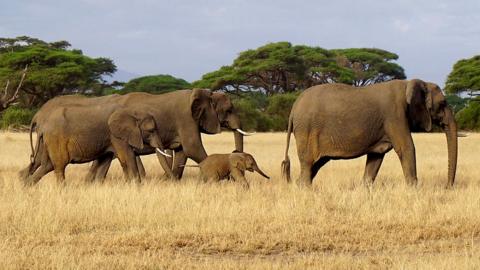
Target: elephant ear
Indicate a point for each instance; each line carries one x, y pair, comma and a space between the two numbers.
203, 111
238, 162
124, 126
222, 104
419, 101
147, 122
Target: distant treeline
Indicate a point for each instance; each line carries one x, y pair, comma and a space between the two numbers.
263, 82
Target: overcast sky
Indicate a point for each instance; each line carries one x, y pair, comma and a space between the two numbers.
189, 38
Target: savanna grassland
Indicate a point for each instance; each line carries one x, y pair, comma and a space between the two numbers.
164, 224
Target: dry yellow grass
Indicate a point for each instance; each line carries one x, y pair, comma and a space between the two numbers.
159, 224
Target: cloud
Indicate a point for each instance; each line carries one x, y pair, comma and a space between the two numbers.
188, 38
401, 25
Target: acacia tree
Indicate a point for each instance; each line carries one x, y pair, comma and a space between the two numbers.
155, 84
369, 65
281, 67
54, 69
464, 77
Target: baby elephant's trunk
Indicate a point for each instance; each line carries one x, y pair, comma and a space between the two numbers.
255, 167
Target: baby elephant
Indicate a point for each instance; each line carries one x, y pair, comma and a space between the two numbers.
220, 166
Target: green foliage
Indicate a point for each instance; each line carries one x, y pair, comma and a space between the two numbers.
53, 69
456, 102
469, 117
465, 76
369, 65
250, 116
282, 67
261, 113
155, 84
16, 117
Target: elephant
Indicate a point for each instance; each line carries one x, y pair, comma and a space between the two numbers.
220, 166
339, 121
229, 119
130, 130
226, 114
74, 130
42, 120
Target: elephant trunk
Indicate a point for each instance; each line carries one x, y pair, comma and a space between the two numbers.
450, 128
233, 122
163, 157
255, 167
238, 141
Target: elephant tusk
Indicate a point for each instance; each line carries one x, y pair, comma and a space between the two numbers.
461, 134
163, 153
244, 133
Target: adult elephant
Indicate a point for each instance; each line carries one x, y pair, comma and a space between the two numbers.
100, 107
178, 132
338, 121
226, 114
81, 133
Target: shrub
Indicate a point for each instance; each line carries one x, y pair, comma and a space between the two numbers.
469, 117
155, 84
261, 113
251, 117
16, 117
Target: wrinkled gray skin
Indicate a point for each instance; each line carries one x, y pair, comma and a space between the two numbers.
75, 129
157, 104
228, 118
52, 126
130, 131
338, 121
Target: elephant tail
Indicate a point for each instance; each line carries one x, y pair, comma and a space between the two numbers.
33, 154
23, 174
286, 161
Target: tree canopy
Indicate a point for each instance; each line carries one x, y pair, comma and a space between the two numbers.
53, 68
155, 84
282, 67
369, 65
465, 76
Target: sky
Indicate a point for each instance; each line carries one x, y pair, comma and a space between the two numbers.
190, 38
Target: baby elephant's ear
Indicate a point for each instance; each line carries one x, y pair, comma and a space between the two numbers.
124, 126
238, 162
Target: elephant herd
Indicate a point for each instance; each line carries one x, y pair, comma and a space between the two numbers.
329, 122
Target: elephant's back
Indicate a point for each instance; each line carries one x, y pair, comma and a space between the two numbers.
331, 105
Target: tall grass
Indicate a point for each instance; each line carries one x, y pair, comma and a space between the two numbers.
187, 224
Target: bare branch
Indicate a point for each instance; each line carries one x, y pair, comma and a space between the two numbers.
7, 102
6, 89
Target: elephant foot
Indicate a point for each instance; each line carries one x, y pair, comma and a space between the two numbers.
412, 182
368, 182
303, 183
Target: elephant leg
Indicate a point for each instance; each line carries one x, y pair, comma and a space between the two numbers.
90, 177
141, 168
35, 164
60, 174
305, 178
166, 163
317, 165
239, 176
45, 167
169, 160
103, 166
403, 145
374, 161
129, 165
180, 159
127, 159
